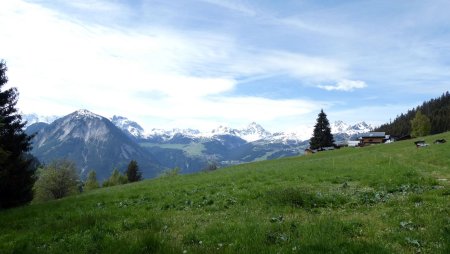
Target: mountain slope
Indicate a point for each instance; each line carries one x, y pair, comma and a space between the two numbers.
35, 118
391, 198
92, 142
437, 110
190, 149
131, 128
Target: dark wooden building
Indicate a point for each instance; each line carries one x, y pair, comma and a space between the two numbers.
373, 138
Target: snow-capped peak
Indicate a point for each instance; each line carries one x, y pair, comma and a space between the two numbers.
84, 113
127, 125
223, 130
341, 127
361, 126
35, 118
254, 132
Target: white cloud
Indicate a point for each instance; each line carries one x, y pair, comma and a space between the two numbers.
345, 85
153, 76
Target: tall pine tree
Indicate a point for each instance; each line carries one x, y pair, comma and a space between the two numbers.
322, 136
16, 170
133, 173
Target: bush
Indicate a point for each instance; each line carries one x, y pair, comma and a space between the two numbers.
57, 180
116, 178
211, 167
91, 181
171, 172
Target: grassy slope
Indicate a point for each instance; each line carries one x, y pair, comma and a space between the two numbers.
381, 199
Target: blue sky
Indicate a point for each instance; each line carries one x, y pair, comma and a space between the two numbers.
202, 63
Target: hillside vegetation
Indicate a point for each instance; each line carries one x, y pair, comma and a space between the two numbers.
437, 110
391, 198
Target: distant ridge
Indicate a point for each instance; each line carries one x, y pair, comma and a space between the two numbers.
96, 142
92, 142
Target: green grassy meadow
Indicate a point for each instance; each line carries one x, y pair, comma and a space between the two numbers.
391, 198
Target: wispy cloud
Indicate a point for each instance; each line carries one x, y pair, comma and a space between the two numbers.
148, 61
233, 5
345, 85
71, 65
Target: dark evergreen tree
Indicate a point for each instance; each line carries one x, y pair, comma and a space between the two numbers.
133, 173
322, 136
16, 166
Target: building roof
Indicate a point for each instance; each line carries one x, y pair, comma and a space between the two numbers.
373, 135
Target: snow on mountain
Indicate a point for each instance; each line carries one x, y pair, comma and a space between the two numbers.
85, 114
251, 133
221, 130
92, 142
35, 118
286, 138
254, 132
340, 127
130, 127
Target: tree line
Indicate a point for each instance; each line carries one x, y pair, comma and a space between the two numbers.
432, 117
61, 178
436, 110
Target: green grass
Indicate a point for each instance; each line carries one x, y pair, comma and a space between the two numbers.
389, 198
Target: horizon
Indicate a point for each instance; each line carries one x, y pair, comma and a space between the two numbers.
226, 63
305, 135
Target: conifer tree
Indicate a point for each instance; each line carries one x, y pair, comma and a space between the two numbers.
133, 173
16, 171
322, 136
91, 181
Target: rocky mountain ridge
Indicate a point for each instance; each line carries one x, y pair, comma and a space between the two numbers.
96, 142
91, 141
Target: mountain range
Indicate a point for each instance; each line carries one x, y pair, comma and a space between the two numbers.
102, 144
92, 142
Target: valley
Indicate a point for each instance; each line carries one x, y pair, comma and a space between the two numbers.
188, 149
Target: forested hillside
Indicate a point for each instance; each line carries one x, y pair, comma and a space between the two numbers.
437, 110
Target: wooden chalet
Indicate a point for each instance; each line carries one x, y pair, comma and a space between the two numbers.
371, 138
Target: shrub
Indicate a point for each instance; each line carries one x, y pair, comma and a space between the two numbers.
116, 178
211, 167
171, 172
57, 180
91, 181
